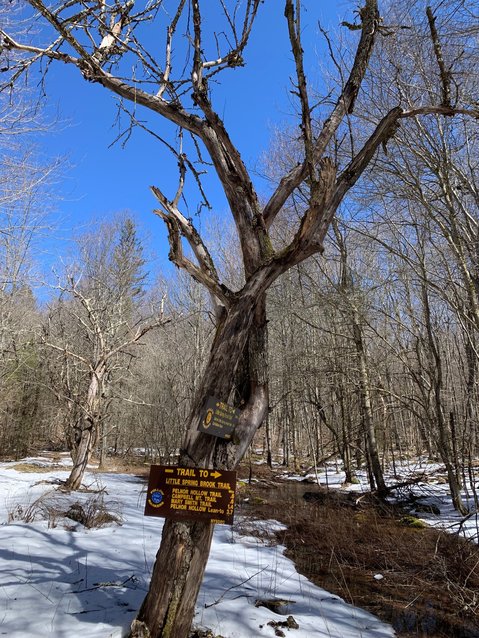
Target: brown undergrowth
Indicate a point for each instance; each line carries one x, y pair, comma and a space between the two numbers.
423, 581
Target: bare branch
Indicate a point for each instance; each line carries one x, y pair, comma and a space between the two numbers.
169, 47
181, 157
66, 351
139, 334
445, 74
344, 105
59, 27
440, 110
179, 226
234, 57
90, 64
383, 132
294, 28
111, 39
182, 170
197, 70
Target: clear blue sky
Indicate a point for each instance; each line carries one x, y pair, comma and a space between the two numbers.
102, 180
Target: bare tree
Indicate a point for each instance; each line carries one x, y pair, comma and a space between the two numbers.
99, 303
102, 42
424, 191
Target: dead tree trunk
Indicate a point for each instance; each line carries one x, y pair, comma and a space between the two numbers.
180, 564
89, 428
168, 608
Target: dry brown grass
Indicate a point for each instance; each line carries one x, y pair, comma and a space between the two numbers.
58, 507
35, 468
430, 584
93, 513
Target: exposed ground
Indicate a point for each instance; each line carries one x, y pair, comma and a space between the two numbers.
425, 582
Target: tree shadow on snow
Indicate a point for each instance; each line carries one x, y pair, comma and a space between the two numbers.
54, 581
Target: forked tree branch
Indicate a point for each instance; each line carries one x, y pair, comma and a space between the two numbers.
344, 105
90, 65
178, 226
234, 57
294, 28
383, 132
169, 48
307, 240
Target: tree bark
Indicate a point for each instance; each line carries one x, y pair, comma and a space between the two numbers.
169, 606
366, 407
81, 459
89, 429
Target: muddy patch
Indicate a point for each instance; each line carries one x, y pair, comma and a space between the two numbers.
422, 581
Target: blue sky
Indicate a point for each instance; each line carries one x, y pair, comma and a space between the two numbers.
100, 180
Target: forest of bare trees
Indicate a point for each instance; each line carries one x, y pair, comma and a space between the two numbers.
339, 311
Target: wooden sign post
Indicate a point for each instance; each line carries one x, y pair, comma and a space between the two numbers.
185, 493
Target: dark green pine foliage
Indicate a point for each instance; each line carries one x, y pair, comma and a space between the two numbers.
128, 274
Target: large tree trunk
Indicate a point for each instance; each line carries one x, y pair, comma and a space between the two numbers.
169, 606
89, 429
81, 458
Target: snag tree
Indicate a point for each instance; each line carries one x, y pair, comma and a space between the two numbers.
94, 328
115, 45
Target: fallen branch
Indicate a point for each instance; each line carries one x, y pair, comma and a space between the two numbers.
132, 578
234, 587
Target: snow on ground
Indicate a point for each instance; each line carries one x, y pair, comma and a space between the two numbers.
432, 490
66, 580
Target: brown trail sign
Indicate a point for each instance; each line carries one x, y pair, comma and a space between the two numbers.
186, 493
220, 419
